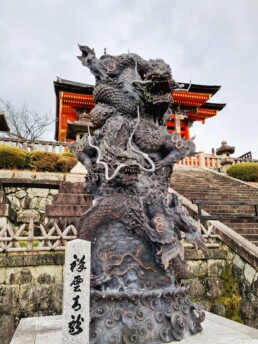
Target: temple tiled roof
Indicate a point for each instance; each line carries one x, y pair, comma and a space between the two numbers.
74, 83
202, 88
3, 123
213, 106
68, 85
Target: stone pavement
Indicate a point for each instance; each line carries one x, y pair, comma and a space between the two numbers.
216, 330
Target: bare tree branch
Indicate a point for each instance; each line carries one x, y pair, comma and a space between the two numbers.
23, 123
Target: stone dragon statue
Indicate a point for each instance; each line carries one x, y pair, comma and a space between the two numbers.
134, 225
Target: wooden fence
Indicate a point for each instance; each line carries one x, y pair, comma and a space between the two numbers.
38, 238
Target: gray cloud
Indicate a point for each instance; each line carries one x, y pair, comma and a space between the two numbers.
209, 42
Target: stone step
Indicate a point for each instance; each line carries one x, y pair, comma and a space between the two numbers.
245, 221
72, 188
207, 186
221, 196
205, 180
212, 185
215, 188
245, 230
218, 199
66, 210
227, 209
61, 221
251, 237
237, 195
72, 199
246, 225
218, 206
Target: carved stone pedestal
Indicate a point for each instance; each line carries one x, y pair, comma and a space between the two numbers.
151, 317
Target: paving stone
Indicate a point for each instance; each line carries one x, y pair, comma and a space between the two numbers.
26, 332
49, 337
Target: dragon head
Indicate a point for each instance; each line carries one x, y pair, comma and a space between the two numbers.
87, 53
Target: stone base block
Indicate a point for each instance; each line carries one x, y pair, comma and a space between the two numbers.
216, 330
148, 316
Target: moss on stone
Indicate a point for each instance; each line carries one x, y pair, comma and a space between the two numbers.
231, 296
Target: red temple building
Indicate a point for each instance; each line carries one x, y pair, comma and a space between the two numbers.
73, 99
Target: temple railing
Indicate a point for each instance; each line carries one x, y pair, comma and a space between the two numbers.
38, 238
211, 161
28, 145
201, 159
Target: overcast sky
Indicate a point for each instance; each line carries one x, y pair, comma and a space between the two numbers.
211, 42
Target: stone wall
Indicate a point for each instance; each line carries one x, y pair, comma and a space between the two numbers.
32, 285
30, 202
224, 284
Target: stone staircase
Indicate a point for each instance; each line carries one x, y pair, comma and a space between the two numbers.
68, 205
199, 184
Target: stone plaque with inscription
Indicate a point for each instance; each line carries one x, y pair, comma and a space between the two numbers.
76, 301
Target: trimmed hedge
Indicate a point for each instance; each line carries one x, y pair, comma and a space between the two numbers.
12, 157
246, 171
43, 161
17, 158
66, 164
68, 155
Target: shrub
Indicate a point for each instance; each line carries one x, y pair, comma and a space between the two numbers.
66, 164
12, 157
43, 161
68, 154
247, 171
73, 161
17, 158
